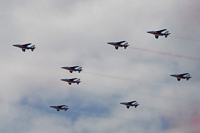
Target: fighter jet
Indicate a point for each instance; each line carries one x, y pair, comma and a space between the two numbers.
61, 107
73, 68
119, 44
132, 103
73, 80
159, 33
181, 76
25, 46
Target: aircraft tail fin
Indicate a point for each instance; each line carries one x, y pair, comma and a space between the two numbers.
126, 45
167, 34
80, 69
33, 47
78, 81
188, 77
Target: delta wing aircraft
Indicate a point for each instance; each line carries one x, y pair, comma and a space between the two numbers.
119, 44
159, 33
61, 107
73, 80
25, 46
73, 68
132, 103
181, 76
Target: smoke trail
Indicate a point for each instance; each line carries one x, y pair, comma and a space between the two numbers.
81, 112
142, 109
186, 38
107, 76
105, 116
142, 82
166, 54
125, 79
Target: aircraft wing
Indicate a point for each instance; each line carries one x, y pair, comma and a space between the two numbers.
161, 30
74, 66
132, 102
116, 42
73, 79
182, 74
120, 42
185, 73
26, 44
53, 106
60, 106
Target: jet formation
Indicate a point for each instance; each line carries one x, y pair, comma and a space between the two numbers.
25, 47
119, 44
73, 68
60, 107
182, 76
129, 104
159, 33
124, 44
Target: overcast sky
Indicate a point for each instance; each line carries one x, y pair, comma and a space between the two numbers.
76, 32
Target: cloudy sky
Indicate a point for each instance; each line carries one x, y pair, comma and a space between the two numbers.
76, 32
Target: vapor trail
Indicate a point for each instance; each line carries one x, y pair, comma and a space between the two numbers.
166, 53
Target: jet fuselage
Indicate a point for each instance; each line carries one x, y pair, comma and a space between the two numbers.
119, 44
74, 80
72, 69
181, 76
155, 33
62, 107
25, 47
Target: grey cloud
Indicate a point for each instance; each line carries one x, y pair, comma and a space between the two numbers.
76, 33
